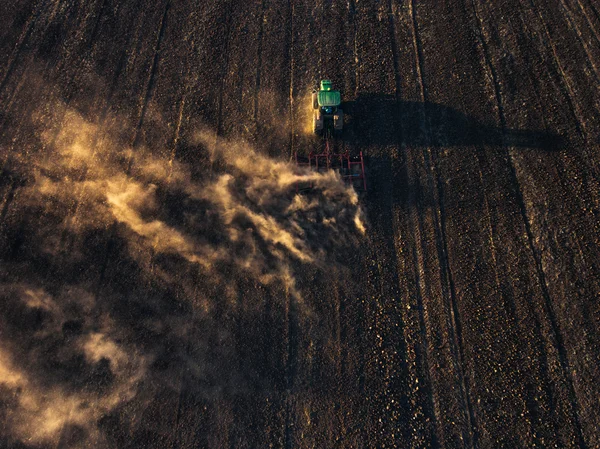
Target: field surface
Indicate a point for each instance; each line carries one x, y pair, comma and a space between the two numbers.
162, 285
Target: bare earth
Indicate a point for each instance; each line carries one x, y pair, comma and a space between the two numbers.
162, 286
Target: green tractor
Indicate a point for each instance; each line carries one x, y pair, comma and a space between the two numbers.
328, 118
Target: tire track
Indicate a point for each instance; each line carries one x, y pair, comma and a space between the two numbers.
8, 199
71, 91
291, 312
513, 314
447, 283
290, 369
352, 14
14, 57
151, 80
394, 48
511, 306
17, 54
561, 349
413, 221
8, 107
81, 41
417, 226
566, 86
392, 384
67, 238
136, 140
221, 417
136, 136
578, 410
177, 135
87, 47
575, 27
259, 63
593, 8
120, 66
567, 94
582, 126
96, 28
292, 65
224, 70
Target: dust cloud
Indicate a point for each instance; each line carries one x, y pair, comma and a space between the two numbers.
124, 256
61, 367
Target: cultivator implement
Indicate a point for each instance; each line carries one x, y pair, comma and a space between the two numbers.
351, 169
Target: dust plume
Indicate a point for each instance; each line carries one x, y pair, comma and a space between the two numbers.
74, 371
119, 264
305, 112
246, 213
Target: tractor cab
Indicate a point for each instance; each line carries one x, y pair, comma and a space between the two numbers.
328, 118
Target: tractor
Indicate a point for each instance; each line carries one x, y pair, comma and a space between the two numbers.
328, 118
332, 153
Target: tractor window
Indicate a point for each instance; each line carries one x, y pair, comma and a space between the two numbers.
329, 109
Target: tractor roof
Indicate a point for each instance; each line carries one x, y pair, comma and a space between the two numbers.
329, 98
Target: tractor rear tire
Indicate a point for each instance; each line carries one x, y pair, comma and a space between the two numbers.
318, 122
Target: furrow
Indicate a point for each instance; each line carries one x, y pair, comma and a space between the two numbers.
447, 283
417, 228
151, 77
562, 352
589, 21
224, 70
259, 61
355, 53
290, 369
559, 342
120, 67
394, 45
292, 64
575, 27
14, 57
493, 77
456, 325
594, 10
177, 133
96, 28
293, 330
570, 94
8, 199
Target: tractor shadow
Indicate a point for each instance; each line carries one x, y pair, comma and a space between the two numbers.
382, 120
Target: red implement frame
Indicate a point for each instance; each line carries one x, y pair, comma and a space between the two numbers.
350, 170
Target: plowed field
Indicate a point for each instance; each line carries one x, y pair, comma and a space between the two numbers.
163, 285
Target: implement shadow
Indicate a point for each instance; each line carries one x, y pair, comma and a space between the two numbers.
375, 118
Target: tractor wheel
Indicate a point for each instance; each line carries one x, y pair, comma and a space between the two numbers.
315, 100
